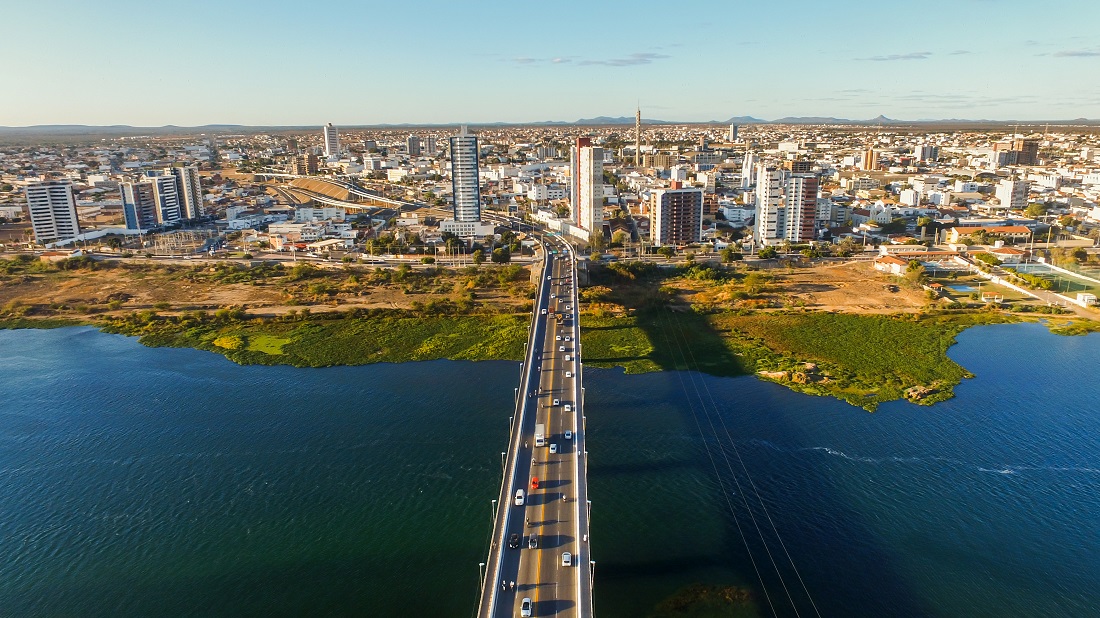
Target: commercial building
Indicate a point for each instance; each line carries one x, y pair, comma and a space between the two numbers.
332, 141
676, 215
52, 207
586, 176
465, 182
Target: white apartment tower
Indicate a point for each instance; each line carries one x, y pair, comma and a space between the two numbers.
748, 170
586, 178
166, 197
52, 207
769, 202
1013, 193
465, 183
190, 191
332, 141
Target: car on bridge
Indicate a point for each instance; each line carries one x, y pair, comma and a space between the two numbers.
569, 435
513, 540
525, 608
566, 559
533, 541
534, 482
519, 497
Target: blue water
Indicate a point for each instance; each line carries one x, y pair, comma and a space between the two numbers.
138, 482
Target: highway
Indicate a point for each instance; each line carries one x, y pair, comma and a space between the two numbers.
529, 539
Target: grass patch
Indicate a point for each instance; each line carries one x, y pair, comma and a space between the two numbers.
267, 344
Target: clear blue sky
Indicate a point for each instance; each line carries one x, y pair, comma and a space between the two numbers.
276, 62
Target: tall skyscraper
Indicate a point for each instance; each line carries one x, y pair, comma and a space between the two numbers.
786, 205
431, 146
748, 170
332, 141
465, 182
870, 159
52, 207
676, 215
139, 206
926, 152
412, 144
733, 133
166, 197
638, 137
190, 191
586, 178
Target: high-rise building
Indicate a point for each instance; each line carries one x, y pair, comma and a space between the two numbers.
926, 152
586, 178
1013, 193
801, 207
676, 215
1027, 151
139, 206
638, 136
465, 182
870, 159
332, 141
769, 203
166, 197
52, 207
190, 191
733, 133
798, 166
786, 205
304, 164
412, 144
748, 170
431, 147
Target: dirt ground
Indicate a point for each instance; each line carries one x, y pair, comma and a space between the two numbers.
851, 287
82, 293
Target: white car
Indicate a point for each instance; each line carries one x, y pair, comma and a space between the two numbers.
561, 348
559, 338
569, 374
557, 401
553, 447
519, 497
568, 408
567, 337
569, 434
525, 608
566, 559
553, 296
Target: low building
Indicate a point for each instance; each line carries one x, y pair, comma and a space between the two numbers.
891, 264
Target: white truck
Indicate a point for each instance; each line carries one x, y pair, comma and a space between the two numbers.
540, 435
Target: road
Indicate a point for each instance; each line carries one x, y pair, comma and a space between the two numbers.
554, 512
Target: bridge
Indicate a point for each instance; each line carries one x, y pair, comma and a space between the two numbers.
539, 562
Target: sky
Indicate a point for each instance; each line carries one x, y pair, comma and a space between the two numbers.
275, 62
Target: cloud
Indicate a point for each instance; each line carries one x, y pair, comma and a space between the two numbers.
630, 60
960, 52
1077, 53
560, 60
893, 57
525, 60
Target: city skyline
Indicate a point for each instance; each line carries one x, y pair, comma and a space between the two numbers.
974, 59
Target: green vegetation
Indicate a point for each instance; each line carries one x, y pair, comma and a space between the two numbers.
706, 601
335, 338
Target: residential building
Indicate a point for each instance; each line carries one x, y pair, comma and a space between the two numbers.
305, 165
870, 159
926, 152
332, 141
166, 198
430, 147
190, 190
676, 215
586, 177
1013, 193
748, 170
139, 206
412, 144
801, 207
1027, 151
52, 207
465, 182
733, 133
769, 202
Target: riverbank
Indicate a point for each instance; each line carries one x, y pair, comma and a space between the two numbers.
722, 322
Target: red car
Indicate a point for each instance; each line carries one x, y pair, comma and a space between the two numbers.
535, 482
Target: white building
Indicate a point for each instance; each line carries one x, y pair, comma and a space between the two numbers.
332, 142
587, 180
52, 206
748, 170
909, 197
1013, 194
328, 213
190, 191
769, 201
465, 182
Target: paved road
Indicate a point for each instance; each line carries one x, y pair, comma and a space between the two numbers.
554, 512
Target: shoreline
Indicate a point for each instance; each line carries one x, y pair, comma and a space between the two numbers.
852, 357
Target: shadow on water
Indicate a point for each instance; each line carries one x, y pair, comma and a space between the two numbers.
683, 340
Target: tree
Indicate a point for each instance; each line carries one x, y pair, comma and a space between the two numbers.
479, 256
729, 255
501, 255
1035, 210
666, 251
597, 242
768, 253
619, 238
